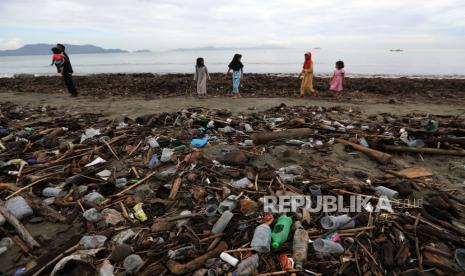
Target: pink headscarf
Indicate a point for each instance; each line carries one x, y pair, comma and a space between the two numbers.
308, 60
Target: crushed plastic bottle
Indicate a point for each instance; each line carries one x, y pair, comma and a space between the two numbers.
153, 143
53, 192
93, 198
121, 182
166, 155
92, 242
107, 269
242, 183
153, 161
133, 263
337, 222
384, 191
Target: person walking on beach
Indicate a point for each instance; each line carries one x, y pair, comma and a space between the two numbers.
67, 72
338, 79
237, 67
201, 75
307, 76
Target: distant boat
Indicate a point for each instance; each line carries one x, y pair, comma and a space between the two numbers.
396, 50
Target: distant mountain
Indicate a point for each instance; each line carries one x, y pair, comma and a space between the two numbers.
212, 48
44, 49
142, 51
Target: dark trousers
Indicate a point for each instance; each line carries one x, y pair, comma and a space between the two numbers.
68, 79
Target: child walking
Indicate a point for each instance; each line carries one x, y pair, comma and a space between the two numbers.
338, 79
201, 75
58, 58
237, 67
307, 76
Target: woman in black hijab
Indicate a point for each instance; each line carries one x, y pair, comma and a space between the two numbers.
236, 66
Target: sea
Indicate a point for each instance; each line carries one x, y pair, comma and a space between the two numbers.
361, 63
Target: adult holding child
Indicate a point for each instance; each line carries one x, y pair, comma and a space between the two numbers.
67, 72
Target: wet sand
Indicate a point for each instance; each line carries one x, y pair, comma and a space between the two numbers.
117, 107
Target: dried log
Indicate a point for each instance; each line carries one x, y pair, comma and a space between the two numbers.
179, 269
424, 150
378, 155
264, 137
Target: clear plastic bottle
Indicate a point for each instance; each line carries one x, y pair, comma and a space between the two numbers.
300, 245
19, 207
337, 222
92, 215
261, 240
222, 222
153, 143
93, 198
121, 182
383, 191
248, 266
327, 246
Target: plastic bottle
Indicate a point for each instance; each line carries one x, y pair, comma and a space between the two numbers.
248, 266
381, 190
281, 231
53, 192
337, 222
242, 183
18, 207
180, 148
228, 203
261, 240
300, 245
222, 222
153, 161
2, 220
166, 155
248, 128
326, 246
107, 269
92, 242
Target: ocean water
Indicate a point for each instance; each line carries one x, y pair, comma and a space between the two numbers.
411, 63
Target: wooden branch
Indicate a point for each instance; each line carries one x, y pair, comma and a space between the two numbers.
20, 229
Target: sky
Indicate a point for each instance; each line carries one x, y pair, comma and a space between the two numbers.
170, 24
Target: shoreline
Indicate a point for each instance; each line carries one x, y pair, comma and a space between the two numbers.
319, 75
153, 86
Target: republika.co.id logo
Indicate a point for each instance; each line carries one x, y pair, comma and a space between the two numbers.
330, 203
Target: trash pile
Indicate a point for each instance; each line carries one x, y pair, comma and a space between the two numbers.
206, 192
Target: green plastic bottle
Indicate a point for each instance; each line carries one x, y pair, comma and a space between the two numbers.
180, 148
281, 231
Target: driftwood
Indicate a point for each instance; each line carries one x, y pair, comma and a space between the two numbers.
378, 155
20, 229
264, 137
179, 269
424, 150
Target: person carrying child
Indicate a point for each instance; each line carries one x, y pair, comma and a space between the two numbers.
337, 80
307, 76
237, 67
201, 75
58, 59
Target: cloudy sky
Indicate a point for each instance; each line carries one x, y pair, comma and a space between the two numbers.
168, 24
